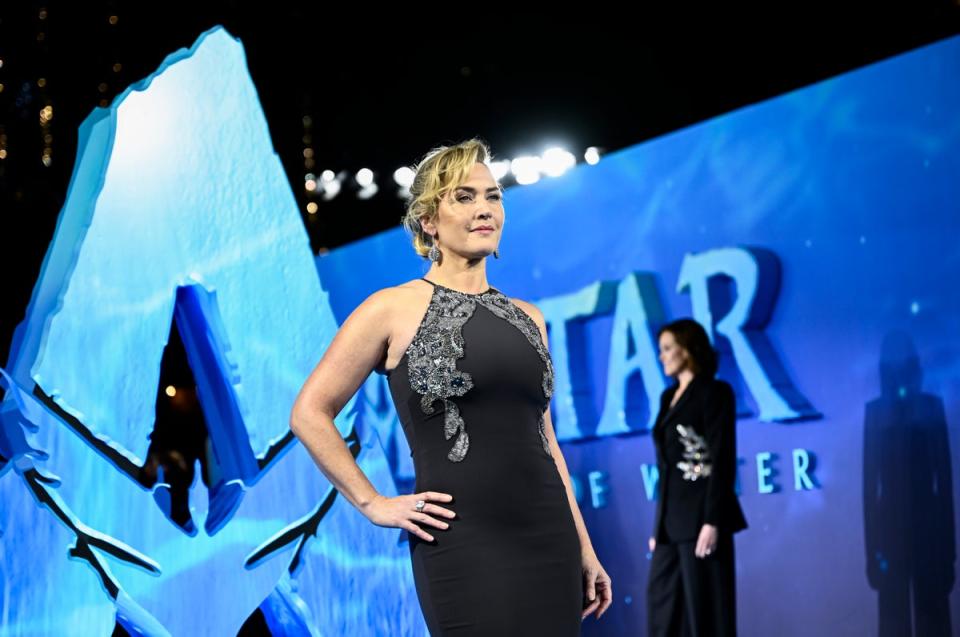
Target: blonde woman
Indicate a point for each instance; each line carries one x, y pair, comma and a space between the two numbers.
497, 542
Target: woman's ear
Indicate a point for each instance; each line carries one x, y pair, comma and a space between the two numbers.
429, 227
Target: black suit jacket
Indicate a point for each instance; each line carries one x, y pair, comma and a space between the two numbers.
696, 443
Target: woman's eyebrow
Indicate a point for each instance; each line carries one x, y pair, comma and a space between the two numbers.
473, 191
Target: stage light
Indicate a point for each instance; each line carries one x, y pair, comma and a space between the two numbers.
368, 191
331, 184
368, 187
310, 185
331, 189
171, 391
592, 155
557, 161
364, 177
403, 176
499, 168
312, 207
526, 169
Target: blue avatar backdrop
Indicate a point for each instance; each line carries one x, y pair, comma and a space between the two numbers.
814, 235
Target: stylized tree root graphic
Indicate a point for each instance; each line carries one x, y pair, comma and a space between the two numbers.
301, 530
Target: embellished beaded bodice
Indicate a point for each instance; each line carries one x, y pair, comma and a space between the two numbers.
474, 357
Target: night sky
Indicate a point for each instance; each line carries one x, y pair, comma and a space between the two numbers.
382, 89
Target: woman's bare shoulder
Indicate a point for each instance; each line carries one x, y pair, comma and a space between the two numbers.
416, 285
394, 302
406, 291
389, 295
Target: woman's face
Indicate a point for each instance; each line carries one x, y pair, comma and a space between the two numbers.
470, 217
673, 357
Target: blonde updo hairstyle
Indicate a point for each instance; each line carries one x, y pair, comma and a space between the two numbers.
440, 171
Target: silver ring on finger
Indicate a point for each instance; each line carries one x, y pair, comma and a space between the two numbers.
418, 507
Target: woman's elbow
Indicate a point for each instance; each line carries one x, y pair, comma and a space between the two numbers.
296, 420
301, 415
307, 414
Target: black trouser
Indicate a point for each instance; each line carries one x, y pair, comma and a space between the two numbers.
931, 606
690, 596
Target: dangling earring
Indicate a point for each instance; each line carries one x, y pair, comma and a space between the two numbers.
496, 253
434, 253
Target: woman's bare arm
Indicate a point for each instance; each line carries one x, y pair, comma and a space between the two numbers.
356, 349
598, 587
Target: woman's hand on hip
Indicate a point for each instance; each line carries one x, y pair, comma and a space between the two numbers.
402, 512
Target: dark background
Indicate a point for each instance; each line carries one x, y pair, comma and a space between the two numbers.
381, 89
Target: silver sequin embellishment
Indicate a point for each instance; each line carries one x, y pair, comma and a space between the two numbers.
433, 354
696, 457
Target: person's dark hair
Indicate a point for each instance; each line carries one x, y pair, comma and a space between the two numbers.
691, 336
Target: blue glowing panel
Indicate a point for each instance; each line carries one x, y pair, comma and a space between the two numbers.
815, 237
179, 212
801, 232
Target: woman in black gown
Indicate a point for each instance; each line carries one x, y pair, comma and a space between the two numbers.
471, 378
